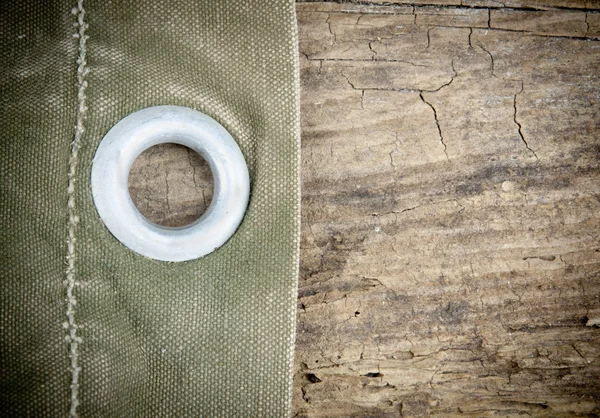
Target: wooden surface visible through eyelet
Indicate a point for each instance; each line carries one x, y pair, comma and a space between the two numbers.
171, 185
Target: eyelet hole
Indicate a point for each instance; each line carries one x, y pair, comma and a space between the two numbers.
171, 185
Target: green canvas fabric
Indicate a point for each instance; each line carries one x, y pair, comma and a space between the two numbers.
208, 337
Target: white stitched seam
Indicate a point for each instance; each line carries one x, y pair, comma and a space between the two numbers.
71, 281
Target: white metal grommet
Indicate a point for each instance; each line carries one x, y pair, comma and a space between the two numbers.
180, 125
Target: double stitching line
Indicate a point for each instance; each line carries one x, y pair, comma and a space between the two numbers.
71, 281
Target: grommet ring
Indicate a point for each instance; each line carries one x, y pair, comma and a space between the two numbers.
180, 125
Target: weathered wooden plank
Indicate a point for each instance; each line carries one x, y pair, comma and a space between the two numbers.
350, 5
353, 8
593, 22
171, 185
534, 4
450, 256
452, 16
555, 23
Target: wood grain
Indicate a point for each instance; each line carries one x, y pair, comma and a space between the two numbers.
171, 185
451, 211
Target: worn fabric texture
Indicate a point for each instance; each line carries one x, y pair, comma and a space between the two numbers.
90, 328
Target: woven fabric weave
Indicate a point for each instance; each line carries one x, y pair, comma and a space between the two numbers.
208, 337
